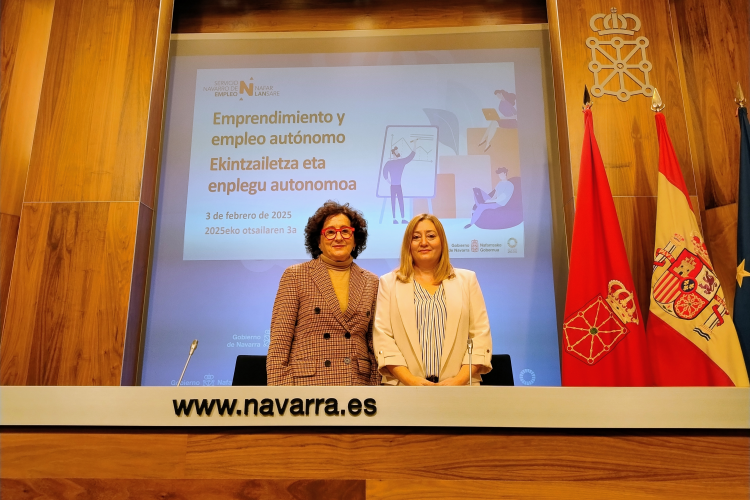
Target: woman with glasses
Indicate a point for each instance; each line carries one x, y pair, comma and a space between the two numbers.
321, 328
427, 311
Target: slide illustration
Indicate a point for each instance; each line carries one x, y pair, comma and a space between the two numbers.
408, 166
483, 186
501, 208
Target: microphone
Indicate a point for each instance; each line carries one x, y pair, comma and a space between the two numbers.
193, 346
470, 347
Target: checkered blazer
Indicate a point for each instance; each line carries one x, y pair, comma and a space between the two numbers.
312, 341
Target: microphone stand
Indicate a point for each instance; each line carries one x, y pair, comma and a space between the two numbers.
470, 346
192, 350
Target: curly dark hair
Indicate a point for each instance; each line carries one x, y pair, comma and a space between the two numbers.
315, 226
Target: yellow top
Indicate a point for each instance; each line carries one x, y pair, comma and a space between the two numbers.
339, 273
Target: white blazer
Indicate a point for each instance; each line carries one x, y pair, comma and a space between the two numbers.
395, 334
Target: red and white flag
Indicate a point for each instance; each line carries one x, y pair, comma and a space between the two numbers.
692, 339
604, 342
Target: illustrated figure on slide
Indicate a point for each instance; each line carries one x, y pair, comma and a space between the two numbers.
392, 172
507, 108
498, 197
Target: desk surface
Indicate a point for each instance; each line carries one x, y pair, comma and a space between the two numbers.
532, 407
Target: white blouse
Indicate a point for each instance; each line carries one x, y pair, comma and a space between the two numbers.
431, 317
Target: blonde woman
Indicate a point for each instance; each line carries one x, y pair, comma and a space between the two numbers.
426, 311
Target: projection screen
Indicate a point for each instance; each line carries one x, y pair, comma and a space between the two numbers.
261, 129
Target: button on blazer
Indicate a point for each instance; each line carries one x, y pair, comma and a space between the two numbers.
396, 337
312, 341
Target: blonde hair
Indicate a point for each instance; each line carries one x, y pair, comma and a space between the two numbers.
443, 271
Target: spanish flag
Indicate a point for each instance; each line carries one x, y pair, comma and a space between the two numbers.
604, 339
692, 339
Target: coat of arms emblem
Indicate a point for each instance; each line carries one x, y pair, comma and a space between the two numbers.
685, 284
595, 329
619, 64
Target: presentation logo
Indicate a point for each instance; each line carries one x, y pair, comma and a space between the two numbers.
208, 379
241, 89
512, 243
247, 88
527, 377
474, 245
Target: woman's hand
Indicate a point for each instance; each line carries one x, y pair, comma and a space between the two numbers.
418, 381
457, 380
462, 377
404, 376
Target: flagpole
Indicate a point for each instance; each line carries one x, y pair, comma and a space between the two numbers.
739, 98
656, 103
586, 98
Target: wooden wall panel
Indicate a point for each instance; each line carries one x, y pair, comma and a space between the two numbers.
715, 55
69, 293
495, 455
79, 281
23, 52
563, 138
8, 235
626, 131
157, 110
204, 489
11, 13
152, 154
441, 464
25, 37
92, 454
93, 115
137, 300
533, 490
15, 350
721, 233
371, 489
198, 16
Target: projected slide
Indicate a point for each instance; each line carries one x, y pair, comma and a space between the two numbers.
260, 131
269, 145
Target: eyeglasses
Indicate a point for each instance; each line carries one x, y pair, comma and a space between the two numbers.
330, 232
